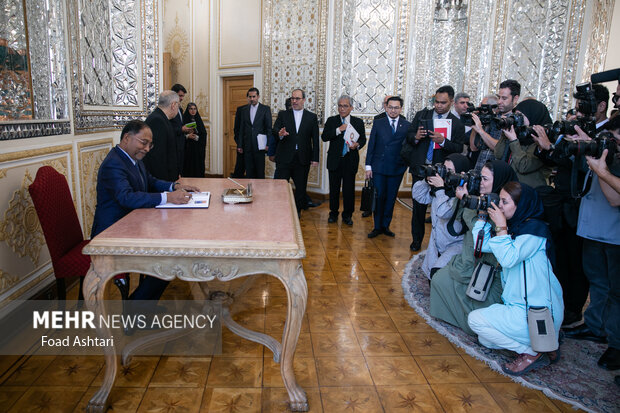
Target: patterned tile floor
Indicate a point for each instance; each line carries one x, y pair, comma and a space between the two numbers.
362, 348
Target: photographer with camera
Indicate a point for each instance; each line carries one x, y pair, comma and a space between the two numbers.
523, 247
426, 146
485, 133
442, 246
449, 286
599, 226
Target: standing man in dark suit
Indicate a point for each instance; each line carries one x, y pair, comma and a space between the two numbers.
424, 147
124, 184
162, 161
342, 159
239, 171
384, 164
254, 130
297, 133
182, 132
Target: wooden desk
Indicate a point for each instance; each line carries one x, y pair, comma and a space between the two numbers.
222, 242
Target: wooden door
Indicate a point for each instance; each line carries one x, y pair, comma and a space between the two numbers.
235, 92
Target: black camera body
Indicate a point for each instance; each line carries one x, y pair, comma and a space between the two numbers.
424, 171
485, 112
567, 127
586, 100
595, 147
480, 202
471, 178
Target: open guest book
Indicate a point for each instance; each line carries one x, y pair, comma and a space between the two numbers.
199, 200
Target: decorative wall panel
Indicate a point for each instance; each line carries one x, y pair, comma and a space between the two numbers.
295, 52
596, 50
369, 54
90, 156
110, 84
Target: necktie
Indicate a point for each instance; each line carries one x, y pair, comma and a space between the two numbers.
431, 146
393, 126
143, 188
345, 147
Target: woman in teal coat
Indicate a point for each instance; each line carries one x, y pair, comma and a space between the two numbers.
522, 243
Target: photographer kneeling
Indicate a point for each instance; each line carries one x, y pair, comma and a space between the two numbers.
449, 285
442, 246
528, 280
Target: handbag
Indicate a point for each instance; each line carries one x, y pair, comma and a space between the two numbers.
369, 196
540, 324
480, 282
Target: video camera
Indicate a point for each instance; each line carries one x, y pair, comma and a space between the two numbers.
485, 112
451, 179
480, 202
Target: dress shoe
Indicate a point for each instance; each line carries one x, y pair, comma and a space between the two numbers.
389, 233
415, 246
347, 221
582, 332
374, 233
570, 318
331, 220
312, 204
366, 214
610, 359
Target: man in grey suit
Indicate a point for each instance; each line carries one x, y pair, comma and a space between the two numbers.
254, 130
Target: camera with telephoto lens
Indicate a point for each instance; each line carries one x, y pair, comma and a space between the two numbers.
480, 202
471, 178
595, 147
485, 112
567, 127
515, 119
424, 171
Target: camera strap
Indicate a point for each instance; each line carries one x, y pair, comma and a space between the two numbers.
574, 191
525, 286
450, 225
479, 241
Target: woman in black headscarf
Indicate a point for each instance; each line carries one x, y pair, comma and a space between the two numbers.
449, 285
442, 245
523, 248
195, 144
520, 153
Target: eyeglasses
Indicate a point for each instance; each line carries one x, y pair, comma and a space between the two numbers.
145, 143
393, 107
295, 98
344, 106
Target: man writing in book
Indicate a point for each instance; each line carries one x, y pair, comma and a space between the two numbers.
426, 146
124, 184
254, 128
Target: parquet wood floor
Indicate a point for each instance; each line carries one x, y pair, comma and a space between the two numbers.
362, 348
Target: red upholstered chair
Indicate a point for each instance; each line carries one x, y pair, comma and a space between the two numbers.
61, 227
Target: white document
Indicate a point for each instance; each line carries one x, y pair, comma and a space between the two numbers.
199, 200
350, 134
261, 138
443, 126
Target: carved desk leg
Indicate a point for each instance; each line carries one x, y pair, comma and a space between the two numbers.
94, 288
292, 276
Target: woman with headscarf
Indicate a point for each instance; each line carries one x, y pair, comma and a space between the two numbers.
195, 144
520, 154
442, 246
449, 301
523, 247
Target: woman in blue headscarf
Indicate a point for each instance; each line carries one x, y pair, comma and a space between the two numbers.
523, 247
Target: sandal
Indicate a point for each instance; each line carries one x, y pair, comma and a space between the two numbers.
524, 363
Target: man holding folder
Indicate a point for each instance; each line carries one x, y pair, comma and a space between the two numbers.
254, 128
346, 135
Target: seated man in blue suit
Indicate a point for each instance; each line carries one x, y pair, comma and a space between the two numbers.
123, 184
384, 164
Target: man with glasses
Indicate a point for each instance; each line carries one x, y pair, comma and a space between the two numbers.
343, 158
384, 164
124, 184
163, 161
426, 146
297, 133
